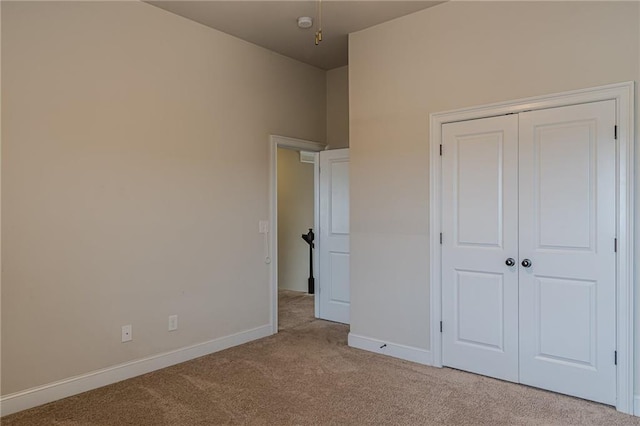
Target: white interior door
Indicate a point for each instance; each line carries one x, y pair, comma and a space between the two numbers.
567, 231
333, 289
538, 187
480, 232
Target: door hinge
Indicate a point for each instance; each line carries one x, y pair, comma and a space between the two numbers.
441, 238
440, 150
440, 326
615, 132
615, 245
615, 357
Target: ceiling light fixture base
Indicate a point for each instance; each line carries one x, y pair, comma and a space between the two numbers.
305, 22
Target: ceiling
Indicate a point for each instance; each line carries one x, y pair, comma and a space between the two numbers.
273, 24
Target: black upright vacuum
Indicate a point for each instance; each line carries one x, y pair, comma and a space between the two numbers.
309, 237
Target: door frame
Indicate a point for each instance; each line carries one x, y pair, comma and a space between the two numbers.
271, 257
623, 94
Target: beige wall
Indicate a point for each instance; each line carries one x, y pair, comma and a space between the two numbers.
134, 174
0, 201
338, 108
454, 55
295, 217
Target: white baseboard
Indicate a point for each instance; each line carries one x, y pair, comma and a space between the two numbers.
408, 353
33, 397
636, 405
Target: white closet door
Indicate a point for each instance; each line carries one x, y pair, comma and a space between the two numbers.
334, 289
567, 229
480, 231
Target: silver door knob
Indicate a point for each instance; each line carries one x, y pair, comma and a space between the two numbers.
526, 263
510, 262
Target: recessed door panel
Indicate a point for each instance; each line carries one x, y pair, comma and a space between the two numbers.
479, 308
339, 288
565, 311
339, 180
479, 190
565, 179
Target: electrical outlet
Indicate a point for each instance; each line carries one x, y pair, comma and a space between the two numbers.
263, 226
173, 322
126, 333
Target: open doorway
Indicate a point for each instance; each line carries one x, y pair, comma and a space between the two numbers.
331, 300
290, 257
296, 283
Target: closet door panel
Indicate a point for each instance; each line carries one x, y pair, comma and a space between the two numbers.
566, 232
480, 292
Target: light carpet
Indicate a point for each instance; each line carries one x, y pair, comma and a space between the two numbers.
307, 375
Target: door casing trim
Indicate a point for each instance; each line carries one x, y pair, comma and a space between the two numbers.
623, 94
